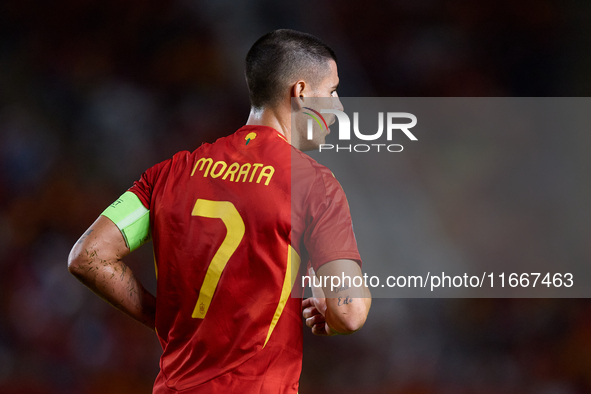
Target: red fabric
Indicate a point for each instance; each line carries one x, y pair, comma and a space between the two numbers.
223, 352
322, 230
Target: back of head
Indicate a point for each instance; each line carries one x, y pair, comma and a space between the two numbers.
279, 59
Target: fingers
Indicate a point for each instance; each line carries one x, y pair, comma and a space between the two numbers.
318, 303
307, 303
314, 320
309, 312
319, 330
323, 330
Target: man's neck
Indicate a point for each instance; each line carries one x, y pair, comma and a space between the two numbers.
271, 117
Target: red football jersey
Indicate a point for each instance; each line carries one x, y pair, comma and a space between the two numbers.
221, 224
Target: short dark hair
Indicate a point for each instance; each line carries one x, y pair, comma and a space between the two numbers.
279, 58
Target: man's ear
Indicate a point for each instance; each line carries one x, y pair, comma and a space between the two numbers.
298, 91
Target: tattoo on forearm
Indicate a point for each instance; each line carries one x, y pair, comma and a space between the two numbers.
83, 237
344, 301
342, 288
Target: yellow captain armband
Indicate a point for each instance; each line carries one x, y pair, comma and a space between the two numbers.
132, 218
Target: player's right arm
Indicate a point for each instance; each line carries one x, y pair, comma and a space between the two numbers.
342, 310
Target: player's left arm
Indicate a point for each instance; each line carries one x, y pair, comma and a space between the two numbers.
341, 310
96, 260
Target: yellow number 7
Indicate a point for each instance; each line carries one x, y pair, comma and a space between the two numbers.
227, 212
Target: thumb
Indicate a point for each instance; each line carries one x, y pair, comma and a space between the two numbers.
317, 298
316, 290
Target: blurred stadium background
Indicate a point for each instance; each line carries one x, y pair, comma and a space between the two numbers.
93, 93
